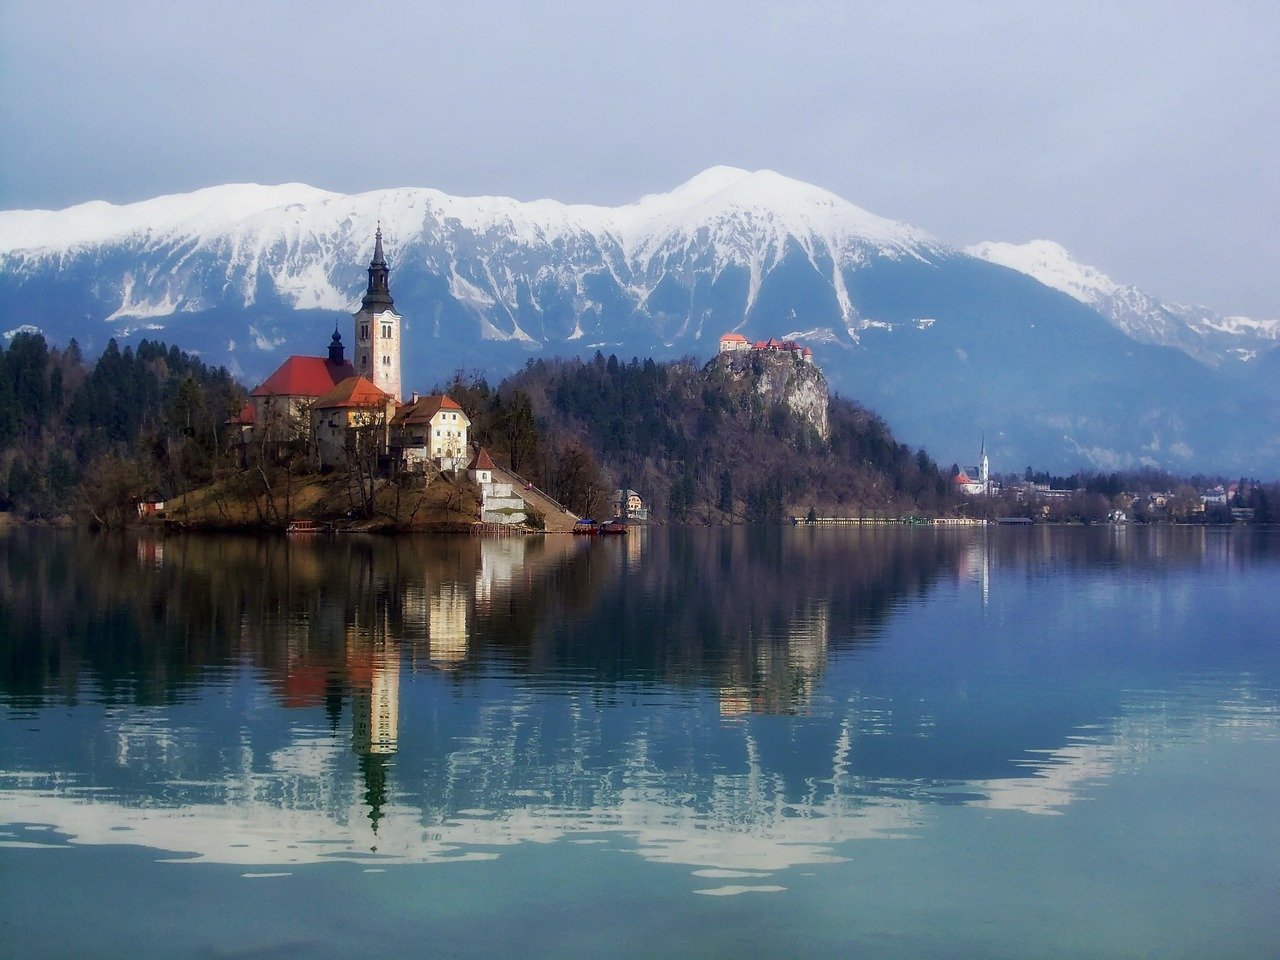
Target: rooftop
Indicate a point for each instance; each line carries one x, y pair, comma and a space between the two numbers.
304, 377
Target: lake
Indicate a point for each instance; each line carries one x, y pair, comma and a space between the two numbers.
859, 742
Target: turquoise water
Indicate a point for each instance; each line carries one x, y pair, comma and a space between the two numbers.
690, 743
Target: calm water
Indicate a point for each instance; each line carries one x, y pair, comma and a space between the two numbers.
745, 743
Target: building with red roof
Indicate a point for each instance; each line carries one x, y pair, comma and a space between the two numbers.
281, 402
733, 342
352, 418
431, 428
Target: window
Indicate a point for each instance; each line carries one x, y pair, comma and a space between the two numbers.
386, 330
364, 331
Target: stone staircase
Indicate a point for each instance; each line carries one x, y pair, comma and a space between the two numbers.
557, 518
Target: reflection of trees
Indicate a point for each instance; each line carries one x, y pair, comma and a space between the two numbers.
749, 612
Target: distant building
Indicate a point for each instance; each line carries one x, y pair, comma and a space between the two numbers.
431, 429
975, 481
784, 346
735, 342
628, 505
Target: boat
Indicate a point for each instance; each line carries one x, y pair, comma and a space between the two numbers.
299, 527
613, 527
586, 527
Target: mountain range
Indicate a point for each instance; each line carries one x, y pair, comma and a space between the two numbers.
1055, 363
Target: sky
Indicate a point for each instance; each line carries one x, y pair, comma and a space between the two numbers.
1144, 137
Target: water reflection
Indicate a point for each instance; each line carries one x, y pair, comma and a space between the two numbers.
739, 702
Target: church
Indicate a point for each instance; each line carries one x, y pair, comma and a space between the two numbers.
975, 481
323, 400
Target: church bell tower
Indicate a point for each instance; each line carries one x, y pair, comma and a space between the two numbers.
377, 327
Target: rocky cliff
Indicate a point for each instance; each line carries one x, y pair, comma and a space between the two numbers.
779, 379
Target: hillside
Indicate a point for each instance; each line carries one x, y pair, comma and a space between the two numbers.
746, 437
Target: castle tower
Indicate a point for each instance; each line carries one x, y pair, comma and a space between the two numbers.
377, 328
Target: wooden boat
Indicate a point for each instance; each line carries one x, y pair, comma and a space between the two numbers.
299, 527
586, 527
613, 527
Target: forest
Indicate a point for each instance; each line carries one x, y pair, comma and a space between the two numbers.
82, 439
697, 446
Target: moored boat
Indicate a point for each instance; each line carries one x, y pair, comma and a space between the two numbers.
297, 527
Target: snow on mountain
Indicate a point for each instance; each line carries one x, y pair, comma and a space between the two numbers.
306, 241
201, 213
1196, 330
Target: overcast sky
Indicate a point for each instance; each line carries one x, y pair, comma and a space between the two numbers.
1144, 138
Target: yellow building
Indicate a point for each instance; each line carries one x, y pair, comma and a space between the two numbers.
352, 419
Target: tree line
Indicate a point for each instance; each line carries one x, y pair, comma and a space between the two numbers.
87, 437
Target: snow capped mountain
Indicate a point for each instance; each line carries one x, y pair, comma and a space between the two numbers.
1197, 331
307, 244
944, 344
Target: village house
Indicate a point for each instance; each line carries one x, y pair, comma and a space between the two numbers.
352, 419
628, 506
430, 429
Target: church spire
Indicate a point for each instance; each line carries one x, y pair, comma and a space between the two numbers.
378, 297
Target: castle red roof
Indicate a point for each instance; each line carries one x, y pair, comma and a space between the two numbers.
304, 377
733, 338
352, 392
481, 461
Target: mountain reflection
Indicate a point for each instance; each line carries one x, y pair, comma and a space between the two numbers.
739, 701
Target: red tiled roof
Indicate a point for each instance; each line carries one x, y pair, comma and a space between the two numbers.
244, 418
425, 409
304, 377
734, 337
352, 392
481, 461
961, 477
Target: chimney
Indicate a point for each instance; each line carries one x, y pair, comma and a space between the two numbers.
413, 398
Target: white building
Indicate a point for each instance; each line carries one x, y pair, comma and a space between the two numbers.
499, 503
433, 429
